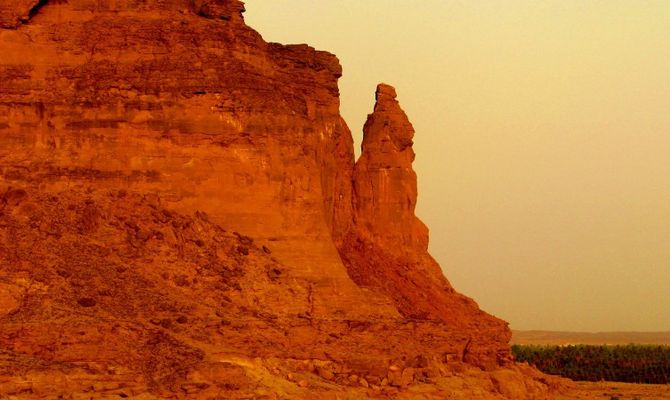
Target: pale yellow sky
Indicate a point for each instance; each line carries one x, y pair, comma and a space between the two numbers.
543, 142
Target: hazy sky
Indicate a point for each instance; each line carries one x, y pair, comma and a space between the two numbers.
543, 142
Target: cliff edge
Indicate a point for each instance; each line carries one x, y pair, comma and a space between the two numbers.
181, 216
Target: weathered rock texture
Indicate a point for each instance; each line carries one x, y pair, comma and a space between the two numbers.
181, 216
387, 249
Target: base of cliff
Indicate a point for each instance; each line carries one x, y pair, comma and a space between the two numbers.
234, 377
109, 294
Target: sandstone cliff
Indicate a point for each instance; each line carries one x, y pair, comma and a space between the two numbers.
181, 216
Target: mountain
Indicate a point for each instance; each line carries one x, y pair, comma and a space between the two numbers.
181, 216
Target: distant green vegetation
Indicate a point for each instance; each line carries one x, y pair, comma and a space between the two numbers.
629, 363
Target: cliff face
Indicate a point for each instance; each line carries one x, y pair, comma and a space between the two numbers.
181, 215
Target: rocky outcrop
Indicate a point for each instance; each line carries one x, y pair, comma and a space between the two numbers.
13, 13
385, 188
386, 249
181, 215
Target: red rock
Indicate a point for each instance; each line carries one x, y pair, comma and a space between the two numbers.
151, 157
385, 185
386, 250
15, 12
407, 377
326, 373
10, 299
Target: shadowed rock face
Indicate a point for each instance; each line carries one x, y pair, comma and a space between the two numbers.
181, 215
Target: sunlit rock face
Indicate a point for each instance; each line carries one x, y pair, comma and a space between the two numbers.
181, 214
386, 249
384, 182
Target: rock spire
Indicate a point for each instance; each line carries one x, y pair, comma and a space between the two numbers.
385, 185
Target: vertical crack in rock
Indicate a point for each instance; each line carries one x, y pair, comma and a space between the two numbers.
36, 8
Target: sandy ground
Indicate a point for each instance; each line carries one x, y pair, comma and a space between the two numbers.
615, 390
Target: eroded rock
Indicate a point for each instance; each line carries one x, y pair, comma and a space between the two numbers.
181, 216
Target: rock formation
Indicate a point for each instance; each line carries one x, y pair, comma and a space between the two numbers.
387, 248
181, 216
385, 189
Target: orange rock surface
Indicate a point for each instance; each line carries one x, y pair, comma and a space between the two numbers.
181, 217
387, 249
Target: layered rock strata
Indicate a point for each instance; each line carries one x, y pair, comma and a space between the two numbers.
181, 216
